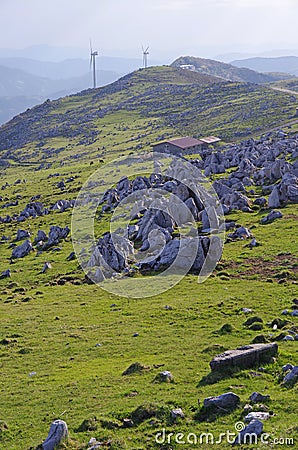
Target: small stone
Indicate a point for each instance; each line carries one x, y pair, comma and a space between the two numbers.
254, 427
227, 401
256, 415
128, 423
288, 337
247, 408
256, 397
292, 376
175, 413
164, 377
135, 334
287, 367
246, 310
32, 374
5, 274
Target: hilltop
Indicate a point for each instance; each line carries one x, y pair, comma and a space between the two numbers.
140, 108
228, 71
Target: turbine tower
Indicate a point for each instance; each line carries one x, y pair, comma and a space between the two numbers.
93, 55
145, 57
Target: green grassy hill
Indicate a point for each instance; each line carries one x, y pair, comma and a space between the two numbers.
64, 343
139, 109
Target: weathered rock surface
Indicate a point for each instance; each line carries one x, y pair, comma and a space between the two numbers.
22, 250
228, 401
291, 377
58, 432
244, 357
249, 434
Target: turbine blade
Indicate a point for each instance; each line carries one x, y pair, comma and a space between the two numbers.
147, 49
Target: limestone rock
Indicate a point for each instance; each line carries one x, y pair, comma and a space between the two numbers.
228, 401
244, 357
22, 250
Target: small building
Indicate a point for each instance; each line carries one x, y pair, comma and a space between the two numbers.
181, 146
185, 145
188, 67
210, 140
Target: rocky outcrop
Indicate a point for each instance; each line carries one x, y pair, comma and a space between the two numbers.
244, 357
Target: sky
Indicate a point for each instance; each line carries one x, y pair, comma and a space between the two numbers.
170, 27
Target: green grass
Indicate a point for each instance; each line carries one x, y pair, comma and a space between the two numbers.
52, 322
54, 330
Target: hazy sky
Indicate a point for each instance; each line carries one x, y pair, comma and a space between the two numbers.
170, 27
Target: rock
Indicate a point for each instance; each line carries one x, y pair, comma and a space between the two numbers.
249, 434
134, 368
291, 377
293, 194
256, 415
240, 233
22, 250
71, 256
5, 274
58, 432
107, 258
274, 200
244, 357
273, 215
22, 234
46, 266
256, 397
128, 423
261, 201
177, 413
41, 236
288, 337
228, 401
164, 377
247, 408
287, 367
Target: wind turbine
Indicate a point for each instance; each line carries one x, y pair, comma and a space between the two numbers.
93, 55
145, 57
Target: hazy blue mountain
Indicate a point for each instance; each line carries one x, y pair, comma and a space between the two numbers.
12, 106
20, 90
70, 67
288, 64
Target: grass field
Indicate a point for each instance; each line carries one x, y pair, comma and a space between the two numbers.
51, 325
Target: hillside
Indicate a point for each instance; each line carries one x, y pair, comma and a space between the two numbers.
228, 71
287, 64
177, 102
121, 370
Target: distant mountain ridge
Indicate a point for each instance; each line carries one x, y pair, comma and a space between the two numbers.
288, 64
227, 71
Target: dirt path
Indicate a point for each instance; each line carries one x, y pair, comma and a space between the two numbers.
287, 91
